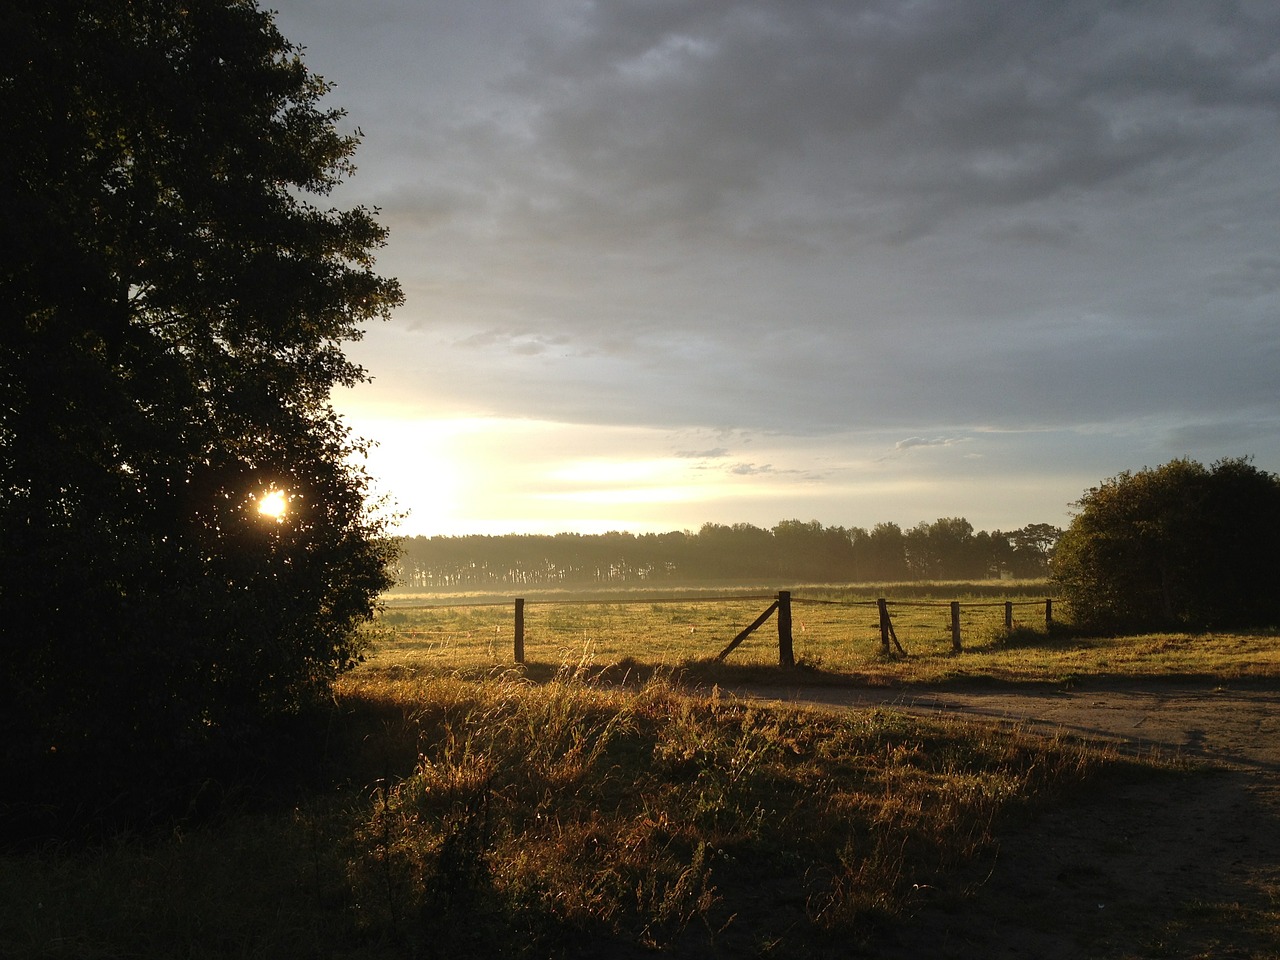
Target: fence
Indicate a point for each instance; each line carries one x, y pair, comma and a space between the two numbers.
887, 633
784, 607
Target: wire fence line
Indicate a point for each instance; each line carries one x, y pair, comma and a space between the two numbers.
582, 601
780, 608
912, 603
701, 598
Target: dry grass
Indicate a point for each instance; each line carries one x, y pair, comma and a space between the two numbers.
592, 802
499, 817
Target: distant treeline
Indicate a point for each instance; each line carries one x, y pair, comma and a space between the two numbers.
792, 551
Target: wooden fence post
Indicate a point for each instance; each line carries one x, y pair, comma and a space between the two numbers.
1008, 616
955, 626
786, 655
1048, 613
883, 606
519, 631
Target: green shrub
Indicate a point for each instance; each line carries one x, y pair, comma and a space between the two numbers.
1176, 547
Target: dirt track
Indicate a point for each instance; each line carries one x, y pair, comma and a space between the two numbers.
1184, 866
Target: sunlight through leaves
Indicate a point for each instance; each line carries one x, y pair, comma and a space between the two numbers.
273, 505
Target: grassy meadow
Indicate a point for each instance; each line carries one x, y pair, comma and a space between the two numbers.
835, 635
592, 803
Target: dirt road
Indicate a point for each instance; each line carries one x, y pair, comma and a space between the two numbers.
1177, 866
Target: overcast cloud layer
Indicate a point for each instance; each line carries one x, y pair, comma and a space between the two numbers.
1034, 233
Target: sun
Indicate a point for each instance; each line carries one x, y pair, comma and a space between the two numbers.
273, 504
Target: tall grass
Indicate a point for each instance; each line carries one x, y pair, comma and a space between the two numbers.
498, 817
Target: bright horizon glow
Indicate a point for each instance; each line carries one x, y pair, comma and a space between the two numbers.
458, 476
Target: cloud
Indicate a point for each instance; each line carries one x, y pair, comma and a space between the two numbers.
910, 442
523, 344
750, 469
1192, 439
888, 209
1256, 277
887, 116
903, 447
815, 219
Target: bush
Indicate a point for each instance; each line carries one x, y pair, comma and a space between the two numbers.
1180, 546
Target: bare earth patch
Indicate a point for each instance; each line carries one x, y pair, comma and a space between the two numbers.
1162, 866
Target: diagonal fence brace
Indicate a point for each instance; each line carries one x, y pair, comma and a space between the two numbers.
747, 632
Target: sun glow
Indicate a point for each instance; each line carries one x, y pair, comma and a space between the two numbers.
273, 504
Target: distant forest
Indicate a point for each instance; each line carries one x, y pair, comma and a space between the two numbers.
792, 551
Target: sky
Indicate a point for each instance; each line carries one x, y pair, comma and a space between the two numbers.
669, 263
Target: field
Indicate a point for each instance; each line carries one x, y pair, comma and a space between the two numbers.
835, 632
591, 803
832, 627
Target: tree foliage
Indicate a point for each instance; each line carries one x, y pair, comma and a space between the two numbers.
1181, 546
175, 302
791, 552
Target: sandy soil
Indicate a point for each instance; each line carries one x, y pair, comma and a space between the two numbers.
1170, 866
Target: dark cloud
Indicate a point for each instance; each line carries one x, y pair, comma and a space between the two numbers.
890, 116
815, 217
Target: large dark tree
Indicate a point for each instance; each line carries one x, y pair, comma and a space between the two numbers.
1181, 546
175, 298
